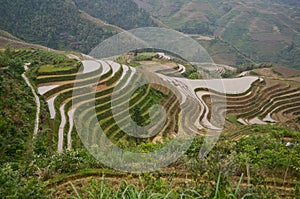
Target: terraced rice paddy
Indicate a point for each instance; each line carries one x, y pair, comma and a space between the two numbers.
266, 101
72, 95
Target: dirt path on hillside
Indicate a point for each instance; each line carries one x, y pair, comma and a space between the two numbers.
37, 101
60, 142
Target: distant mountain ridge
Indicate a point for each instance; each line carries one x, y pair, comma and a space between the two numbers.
239, 32
264, 30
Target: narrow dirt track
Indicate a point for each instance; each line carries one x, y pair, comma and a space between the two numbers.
37, 101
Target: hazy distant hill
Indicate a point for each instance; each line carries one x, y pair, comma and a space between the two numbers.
265, 30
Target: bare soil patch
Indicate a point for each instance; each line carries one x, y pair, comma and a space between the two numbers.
296, 79
268, 72
287, 72
101, 87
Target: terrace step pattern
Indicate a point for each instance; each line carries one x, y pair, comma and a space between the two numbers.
73, 95
262, 103
79, 96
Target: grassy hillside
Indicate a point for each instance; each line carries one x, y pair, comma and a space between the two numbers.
265, 30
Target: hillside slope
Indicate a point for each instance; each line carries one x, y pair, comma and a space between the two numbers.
123, 13
56, 24
7, 39
61, 25
265, 30
31, 168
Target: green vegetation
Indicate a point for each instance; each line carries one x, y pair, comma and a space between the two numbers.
259, 161
59, 25
16, 131
233, 119
50, 69
259, 165
196, 27
194, 75
34, 21
147, 56
17, 105
15, 185
7, 35
240, 37
265, 31
154, 97
45, 63
17, 109
124, 14
223, 53
149, 186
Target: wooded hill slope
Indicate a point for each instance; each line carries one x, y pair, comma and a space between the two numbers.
59, 24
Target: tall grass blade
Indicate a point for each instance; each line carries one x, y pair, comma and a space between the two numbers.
74, 188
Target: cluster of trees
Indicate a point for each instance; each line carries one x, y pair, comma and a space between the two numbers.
17, 108
56, 24
249, 67
124, 14
15, 185
197, 27
289, 56
13, 64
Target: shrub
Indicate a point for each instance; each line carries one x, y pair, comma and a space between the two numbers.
13, 185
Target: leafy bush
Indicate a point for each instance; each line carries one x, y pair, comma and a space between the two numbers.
194, 75
13, 185
66, 162
144, 57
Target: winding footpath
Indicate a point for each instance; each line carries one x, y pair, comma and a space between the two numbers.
37, 101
